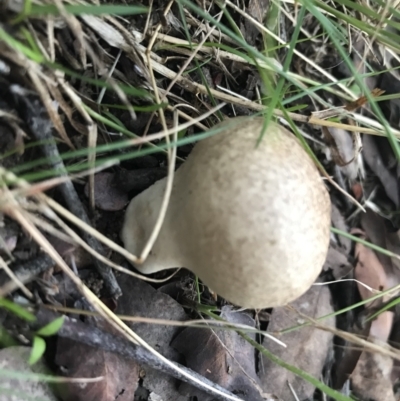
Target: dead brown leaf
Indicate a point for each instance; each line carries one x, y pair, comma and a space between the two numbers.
362, 100
369, 271
378, 163
395, 342
344, 149
335, 111
393, 245
379, 232
222, 356
307, 348
376, 273
337, 262
67, 109
120, 375
256, 9
348, 359
339, 222
372, 377
107, 195
141, 299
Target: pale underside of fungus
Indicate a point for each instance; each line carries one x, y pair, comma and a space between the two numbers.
251, 221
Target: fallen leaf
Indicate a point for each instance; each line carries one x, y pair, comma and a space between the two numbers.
344, 152
362, 100
339, 222
390, 82
371, 380
141, 299
357, 190
107, 196
15, 359
395, 342
337, 262
307, 348
120, 376
378, 164
369, 271
393, 245
139, 179
347, 356
377, 231
256, 9
222, 356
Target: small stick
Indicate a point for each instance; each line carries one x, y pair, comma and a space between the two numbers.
41, 127
25, 273
88, 334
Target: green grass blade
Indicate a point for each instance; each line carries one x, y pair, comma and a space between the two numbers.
103, 9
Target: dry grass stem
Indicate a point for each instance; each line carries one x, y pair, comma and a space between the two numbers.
17, 214
14, 278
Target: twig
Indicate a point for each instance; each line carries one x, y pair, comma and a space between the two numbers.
94, 337
19, 215
25, 273
41, 127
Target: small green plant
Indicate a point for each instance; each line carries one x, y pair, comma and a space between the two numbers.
38, 343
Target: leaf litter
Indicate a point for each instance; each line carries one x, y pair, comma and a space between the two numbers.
95, 52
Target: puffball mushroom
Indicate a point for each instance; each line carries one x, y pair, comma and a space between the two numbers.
252, 222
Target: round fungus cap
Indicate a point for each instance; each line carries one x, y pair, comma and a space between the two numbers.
251, 220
